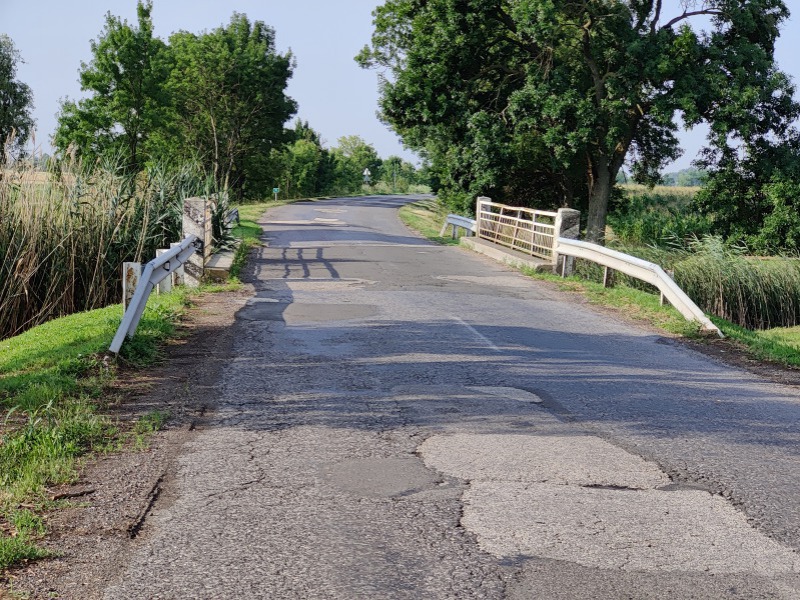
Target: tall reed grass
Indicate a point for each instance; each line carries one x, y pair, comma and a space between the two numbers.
752, 292
64, 235
755, 293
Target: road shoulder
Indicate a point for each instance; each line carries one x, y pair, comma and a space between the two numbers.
95, 532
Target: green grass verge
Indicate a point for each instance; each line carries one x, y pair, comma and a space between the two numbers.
779, 345
427, 217
52, 379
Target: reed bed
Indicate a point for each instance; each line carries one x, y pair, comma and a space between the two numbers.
756, 293
662, 216
752, 292
65, 234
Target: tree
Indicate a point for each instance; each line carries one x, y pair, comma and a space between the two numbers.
352, 157
229, 92
398, 174
522, 95
128, 102
750, 194
16, 102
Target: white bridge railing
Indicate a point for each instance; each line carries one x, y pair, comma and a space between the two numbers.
552, 236
458, 222
532, 232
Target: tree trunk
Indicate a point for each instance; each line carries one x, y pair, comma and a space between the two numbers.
599, 194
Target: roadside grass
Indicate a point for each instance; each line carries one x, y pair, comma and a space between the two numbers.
248, 231
426, 217
148, 424
52, 380
779, 345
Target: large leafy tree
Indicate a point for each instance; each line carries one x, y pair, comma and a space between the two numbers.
127, 101
353, 156
303, 167
16, 101
538, 99
229, 88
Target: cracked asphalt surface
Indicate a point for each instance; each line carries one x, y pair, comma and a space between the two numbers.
404, 420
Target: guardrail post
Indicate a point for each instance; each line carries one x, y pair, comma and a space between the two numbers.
165, 285
608, 278
179, 274
478, 212
131, 272
197, 221
568, 225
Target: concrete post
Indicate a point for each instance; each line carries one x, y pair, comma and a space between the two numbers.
197, 221
178, 275
131, 272
568, 225
479, 227
165, 285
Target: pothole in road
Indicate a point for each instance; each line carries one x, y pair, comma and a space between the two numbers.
577, 460
381, 477
579, 499
296, 313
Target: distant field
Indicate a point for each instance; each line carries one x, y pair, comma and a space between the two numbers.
26, 176
659, 190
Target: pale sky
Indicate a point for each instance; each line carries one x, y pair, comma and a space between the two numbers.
334, 94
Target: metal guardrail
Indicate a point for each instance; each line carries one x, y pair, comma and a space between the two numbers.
640, 269
156, 270
456, 222
532, 232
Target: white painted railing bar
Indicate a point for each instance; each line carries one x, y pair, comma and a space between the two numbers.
153, 272
532, 232
640, 269
456, 222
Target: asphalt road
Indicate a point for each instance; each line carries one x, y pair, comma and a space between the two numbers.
404, 420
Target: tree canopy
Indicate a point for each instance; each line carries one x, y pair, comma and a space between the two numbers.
228, 88
543, 101
127, 102
16, 101
217, 97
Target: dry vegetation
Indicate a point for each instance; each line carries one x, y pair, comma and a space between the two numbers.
65, 234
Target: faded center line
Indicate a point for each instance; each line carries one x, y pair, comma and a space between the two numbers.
476, 333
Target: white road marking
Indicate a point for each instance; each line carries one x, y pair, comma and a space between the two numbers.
476, 333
